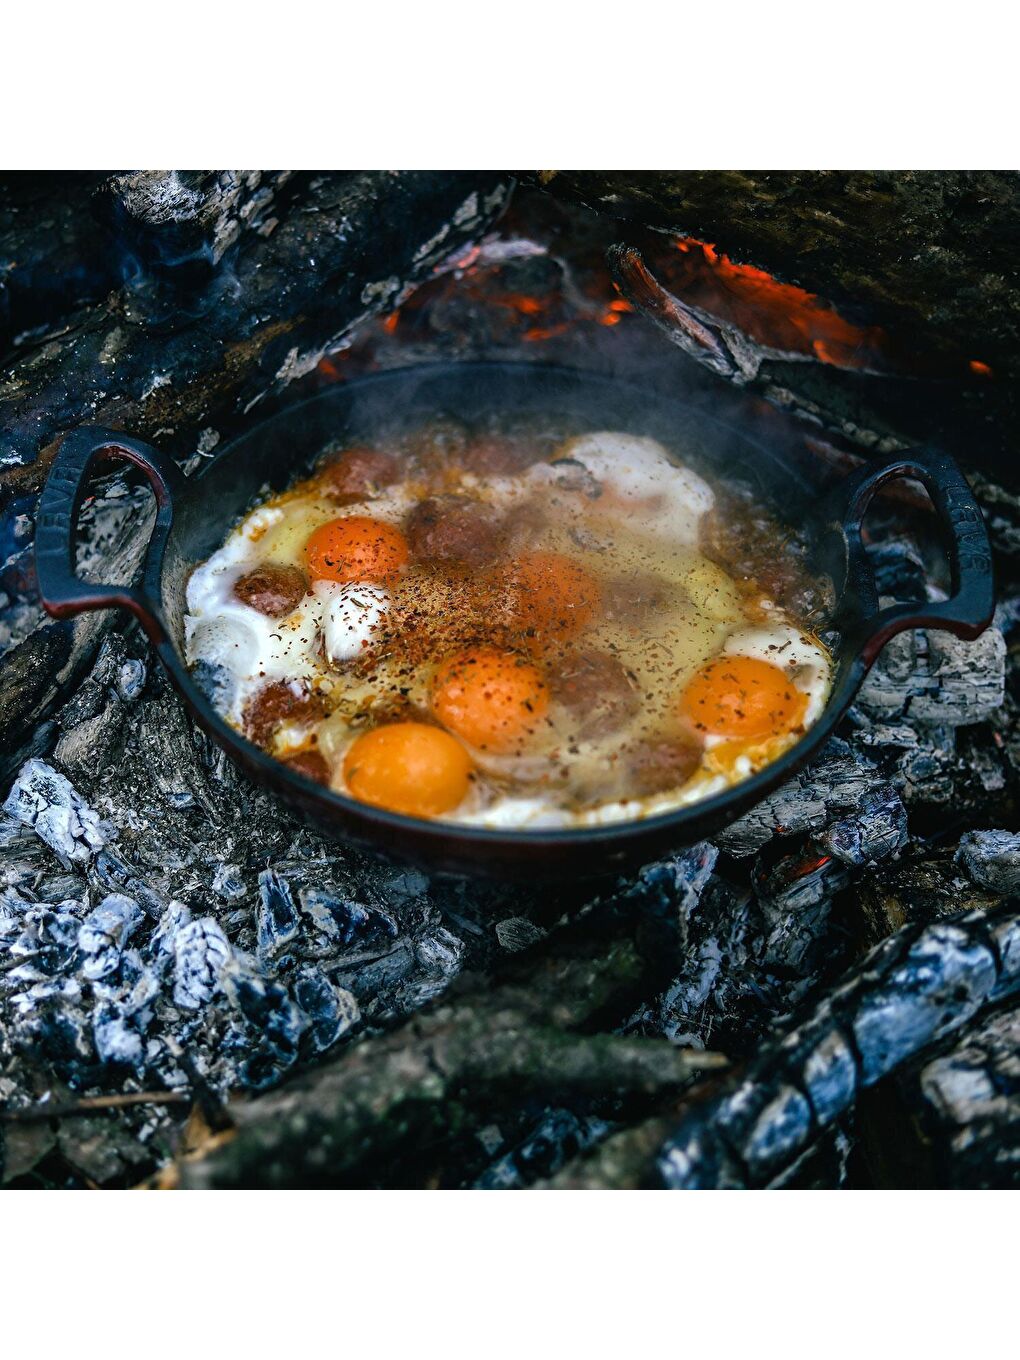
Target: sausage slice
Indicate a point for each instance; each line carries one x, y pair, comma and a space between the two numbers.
272, 589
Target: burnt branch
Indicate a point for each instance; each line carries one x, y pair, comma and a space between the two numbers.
718, 347
910, 992
528, 1034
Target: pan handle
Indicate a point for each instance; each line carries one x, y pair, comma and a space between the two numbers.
62, 591
970, 606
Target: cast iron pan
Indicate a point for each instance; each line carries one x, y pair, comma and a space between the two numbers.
194, 514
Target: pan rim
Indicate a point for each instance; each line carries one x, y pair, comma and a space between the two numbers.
724, 807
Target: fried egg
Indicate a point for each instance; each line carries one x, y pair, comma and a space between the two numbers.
537, 686
334, 620
636, 474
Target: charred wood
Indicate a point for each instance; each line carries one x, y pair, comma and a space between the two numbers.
914, 989
530, 1032
929, 256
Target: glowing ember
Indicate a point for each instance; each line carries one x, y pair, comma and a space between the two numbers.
784, 317
780, 316
611, 316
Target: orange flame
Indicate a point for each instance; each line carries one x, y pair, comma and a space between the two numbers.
779, 315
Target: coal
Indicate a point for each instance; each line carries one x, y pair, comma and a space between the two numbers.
105, 932
932, 678
201, 952
45, 800
278, 916
991, 859
273, 1025
331, 1010
877, 830
834, 783
559, 1136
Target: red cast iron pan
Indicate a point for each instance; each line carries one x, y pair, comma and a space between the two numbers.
194, 514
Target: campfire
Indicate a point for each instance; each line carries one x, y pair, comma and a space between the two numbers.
198, 989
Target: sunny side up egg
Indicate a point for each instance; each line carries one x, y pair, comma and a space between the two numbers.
547, 646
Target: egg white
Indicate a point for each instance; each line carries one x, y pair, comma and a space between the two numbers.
252, 649
351, 615
670, 498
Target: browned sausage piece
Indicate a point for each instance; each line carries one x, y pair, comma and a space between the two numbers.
660, 764
272, 589
597, 689
454, 529
274, 704
358, 473
309, 763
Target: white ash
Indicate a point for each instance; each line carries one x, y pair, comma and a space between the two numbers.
47, 802
201, 952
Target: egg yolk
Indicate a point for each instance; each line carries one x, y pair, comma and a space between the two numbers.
491, 699
408, 767
552, 595
355, 548
742, 697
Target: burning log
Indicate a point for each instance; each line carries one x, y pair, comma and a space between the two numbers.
926, 254
905, 274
